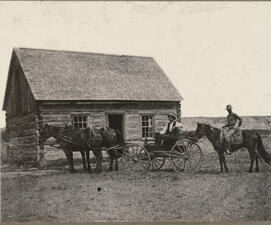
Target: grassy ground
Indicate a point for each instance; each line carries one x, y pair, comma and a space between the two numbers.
163, 195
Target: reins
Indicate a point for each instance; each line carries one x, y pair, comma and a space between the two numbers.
66, 138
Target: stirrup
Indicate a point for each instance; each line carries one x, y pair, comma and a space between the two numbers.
228, 151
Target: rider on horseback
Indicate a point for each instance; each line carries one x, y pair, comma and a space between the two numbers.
233, 124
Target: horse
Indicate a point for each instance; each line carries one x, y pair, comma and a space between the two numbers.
251, 140
72, 139
110, 139
77, 139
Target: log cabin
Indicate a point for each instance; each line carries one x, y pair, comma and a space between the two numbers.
129, 93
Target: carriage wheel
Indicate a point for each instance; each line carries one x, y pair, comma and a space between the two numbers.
135, 158
186, 156
157, 162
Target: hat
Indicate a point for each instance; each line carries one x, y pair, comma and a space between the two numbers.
171, 114
228, 107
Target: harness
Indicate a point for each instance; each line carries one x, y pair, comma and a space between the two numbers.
68, 139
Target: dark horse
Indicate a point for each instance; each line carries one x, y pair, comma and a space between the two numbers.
113, 141
73, 139
251, 140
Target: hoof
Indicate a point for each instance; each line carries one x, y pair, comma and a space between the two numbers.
98, 171
72, 171
250, 171
257, 170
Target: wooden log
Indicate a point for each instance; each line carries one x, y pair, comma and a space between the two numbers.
24, 139
24, 146
22, 118
28, 139
20, 127
107, 106
28, 132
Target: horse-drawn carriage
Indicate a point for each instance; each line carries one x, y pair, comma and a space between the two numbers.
181, 151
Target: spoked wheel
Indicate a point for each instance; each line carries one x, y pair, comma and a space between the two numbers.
135, 158
157, 162
186, 156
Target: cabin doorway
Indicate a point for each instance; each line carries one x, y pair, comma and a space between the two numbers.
115, 121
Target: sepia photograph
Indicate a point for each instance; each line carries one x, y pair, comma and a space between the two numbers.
132, 111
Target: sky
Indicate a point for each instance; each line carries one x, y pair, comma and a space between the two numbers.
215, 53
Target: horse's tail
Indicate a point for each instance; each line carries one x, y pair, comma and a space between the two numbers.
266, 156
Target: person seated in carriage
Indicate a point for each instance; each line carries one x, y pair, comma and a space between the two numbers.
170, 131
231, 128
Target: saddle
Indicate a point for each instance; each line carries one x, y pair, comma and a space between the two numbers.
235, 138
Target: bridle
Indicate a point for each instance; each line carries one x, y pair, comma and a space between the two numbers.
65, 138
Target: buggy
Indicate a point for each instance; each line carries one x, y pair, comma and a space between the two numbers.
182, 151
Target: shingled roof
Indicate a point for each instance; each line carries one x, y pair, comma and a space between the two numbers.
64, 75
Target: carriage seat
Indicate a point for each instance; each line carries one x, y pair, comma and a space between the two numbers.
165, 139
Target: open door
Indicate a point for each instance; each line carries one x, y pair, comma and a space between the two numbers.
115, 121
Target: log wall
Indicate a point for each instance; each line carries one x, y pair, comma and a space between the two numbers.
22, 136
23, 129
61, 114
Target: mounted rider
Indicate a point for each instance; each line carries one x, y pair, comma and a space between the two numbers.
232, 127
171, 129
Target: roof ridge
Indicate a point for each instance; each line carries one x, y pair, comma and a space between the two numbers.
80, 52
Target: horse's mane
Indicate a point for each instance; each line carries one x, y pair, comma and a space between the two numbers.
209, 126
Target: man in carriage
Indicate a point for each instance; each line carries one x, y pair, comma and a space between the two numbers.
170, 131
230, 129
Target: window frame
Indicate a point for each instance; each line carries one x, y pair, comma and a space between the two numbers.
82, 122
141, 126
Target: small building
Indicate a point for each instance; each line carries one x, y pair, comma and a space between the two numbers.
129, 93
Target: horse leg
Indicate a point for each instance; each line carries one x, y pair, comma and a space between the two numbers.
111, 160
71, 160
69, 157
83, 159
88, 160
220, 161
251, 155
111, 164
116, 164
224, 162
98, 156
257, 163
99, 159
250, 169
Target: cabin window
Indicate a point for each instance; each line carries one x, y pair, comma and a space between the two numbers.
147, 125
80, 121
